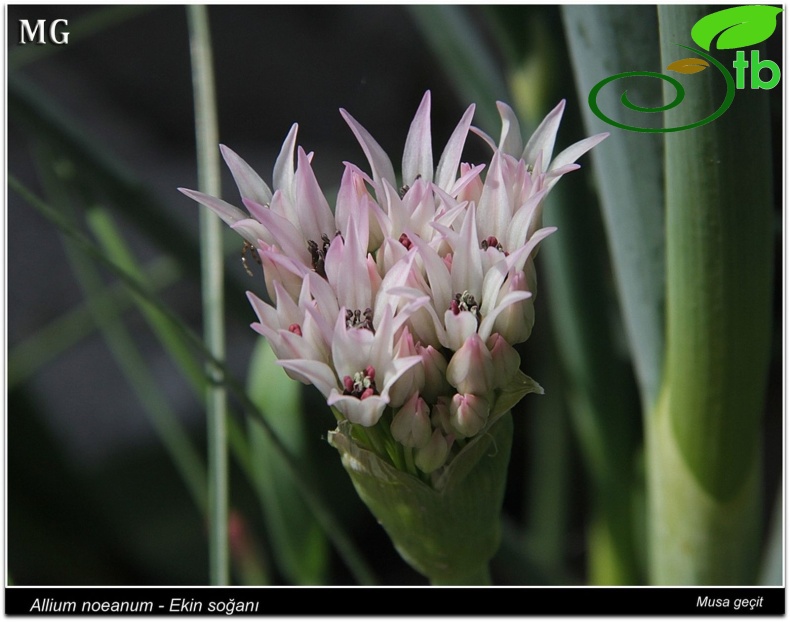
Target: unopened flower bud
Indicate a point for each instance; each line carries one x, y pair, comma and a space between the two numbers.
471, 369
435, 366
516, 321
433, 455
460, 325
506, 359
411, 426
468, 414
413, 379
440, 416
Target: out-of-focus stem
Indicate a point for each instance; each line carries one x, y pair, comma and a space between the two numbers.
207, 139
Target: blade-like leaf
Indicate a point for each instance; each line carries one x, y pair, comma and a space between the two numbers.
299, 544
631, 189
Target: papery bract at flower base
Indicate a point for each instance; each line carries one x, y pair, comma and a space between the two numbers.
447, 529
446, 532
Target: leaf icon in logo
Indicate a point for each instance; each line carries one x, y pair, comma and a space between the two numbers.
689, 65
738, 27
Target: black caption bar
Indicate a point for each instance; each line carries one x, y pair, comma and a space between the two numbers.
405, 601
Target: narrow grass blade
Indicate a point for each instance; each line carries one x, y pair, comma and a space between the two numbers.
296, 537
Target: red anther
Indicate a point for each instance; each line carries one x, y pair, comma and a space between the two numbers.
492, 241
454, 307
370, 372
295, 329
404, 239
367, 393
348, 384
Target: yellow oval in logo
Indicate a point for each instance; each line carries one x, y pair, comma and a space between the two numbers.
689, 65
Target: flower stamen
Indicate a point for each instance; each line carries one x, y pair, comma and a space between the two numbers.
465, 302
318, 255
491, 241
249, 247
360, 319
362, 385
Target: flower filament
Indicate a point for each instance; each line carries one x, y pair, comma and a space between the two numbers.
360, 319
465, 302
362, 385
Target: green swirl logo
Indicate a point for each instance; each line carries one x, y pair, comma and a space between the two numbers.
736, 27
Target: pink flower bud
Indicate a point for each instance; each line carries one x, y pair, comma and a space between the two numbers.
506, 359
468, 414
440, 416
434, 454
435, 366
471, 370
516, 321
411, 426
412, 380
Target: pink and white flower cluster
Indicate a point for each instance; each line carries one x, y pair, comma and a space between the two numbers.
402, 305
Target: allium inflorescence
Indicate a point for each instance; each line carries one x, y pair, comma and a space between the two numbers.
402, 305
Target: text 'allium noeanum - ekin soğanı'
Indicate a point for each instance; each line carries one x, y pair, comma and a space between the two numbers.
403, 303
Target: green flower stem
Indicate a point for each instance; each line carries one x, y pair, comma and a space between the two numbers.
704, 435
212, 270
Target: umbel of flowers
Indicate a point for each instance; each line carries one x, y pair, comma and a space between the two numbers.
402, 306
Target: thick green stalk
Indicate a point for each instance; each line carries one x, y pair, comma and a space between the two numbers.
704, 435
212, 269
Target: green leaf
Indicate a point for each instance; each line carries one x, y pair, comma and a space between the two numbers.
739, 27
299, 544
604, 40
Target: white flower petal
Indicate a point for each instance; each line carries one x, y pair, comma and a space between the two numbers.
418, 154
249, 183
510, 141
575, 151
447, 169
380, 164
365, 412
542, 140
315, 215
283, 176
318, 373
228, 213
